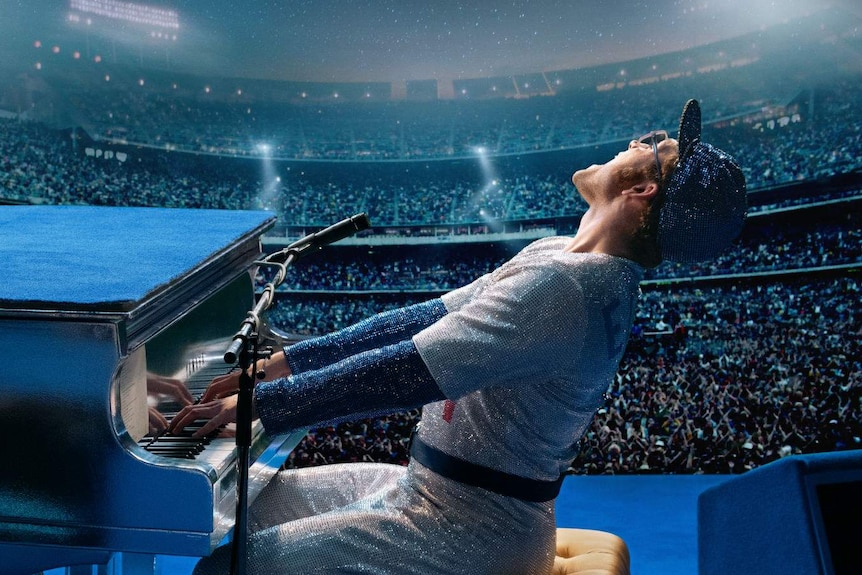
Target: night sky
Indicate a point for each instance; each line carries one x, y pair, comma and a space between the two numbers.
397, 40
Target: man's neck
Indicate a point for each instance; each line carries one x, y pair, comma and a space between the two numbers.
607, 231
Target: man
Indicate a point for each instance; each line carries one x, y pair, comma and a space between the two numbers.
509, 369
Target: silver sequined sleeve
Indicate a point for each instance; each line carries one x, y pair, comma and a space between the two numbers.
385, 328
368, 384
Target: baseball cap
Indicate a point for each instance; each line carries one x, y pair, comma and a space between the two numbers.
704, 205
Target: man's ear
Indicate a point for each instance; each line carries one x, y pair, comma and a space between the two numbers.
647, 190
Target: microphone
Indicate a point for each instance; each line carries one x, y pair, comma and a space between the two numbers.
343, 229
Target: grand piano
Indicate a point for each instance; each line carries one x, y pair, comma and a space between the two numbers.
94, 303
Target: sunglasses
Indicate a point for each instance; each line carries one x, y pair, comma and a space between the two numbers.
652, 139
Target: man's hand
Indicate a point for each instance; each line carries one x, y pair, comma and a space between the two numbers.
222, 386
160, 385
219, 412
158, 423
228, 384
218, 403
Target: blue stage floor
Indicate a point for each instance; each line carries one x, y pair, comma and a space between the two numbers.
656, 515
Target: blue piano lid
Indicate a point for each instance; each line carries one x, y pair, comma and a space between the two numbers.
85, 255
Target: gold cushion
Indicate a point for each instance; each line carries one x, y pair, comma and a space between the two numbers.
590, 552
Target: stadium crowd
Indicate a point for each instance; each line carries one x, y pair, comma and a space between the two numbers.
338, 129
747, 375
430, 270
717, 378
714, 380
40, 163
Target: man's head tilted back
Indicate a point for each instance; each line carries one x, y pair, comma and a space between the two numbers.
703, 204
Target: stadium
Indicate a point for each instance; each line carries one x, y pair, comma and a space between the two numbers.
732, 365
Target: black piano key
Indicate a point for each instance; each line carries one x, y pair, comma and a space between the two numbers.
180, 444
173, 454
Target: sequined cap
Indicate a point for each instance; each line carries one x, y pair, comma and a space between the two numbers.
705, 203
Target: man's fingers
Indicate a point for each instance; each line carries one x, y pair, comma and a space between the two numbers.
217, 413
180, 420
208, 427
169, 386
184, 395
189, 414
221, 386
158, 423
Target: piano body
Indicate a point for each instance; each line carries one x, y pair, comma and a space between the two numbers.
94, 301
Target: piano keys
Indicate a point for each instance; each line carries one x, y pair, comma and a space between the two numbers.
94, 301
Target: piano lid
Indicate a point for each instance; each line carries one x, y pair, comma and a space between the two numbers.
124, 264
105, 258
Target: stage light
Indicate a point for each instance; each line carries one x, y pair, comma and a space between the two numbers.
494, 225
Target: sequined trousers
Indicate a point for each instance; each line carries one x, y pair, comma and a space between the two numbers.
381, 519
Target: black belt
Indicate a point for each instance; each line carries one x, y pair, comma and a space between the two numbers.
480, 476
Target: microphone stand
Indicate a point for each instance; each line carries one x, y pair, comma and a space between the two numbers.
246, 344
248, 359
245, 348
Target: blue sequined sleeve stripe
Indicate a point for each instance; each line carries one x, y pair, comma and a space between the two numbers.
385, 328
371, 383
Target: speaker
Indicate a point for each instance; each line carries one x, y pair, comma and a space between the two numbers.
799, 515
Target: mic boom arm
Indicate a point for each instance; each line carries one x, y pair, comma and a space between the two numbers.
284, 258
